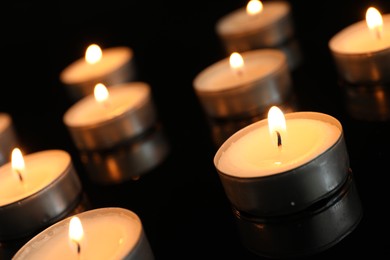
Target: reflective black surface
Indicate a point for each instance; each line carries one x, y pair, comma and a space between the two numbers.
181, 202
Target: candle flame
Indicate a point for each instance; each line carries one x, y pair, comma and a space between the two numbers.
236, 62
374, 21
276, 124
93, 54
101, 93
17, 162
76, 231
254, 7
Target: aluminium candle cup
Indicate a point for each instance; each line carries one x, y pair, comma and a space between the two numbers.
129, 160
292, 190
8, 138
309, 232
126, 226
107, 132
42, 208
254, 94
368, 103
357, 66
119, 70
239, 32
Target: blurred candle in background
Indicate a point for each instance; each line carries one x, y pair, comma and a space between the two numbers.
266, 24
108, 66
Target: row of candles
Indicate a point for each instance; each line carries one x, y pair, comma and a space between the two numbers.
268, 170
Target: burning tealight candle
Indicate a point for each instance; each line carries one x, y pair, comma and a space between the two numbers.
110, 116
244, 84
259, 25
104, 233
36, 190
109, 66
361, 51
8, 138
115, 132
272, 169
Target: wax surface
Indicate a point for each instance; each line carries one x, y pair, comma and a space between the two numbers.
257, 65
80, 70
122, 98
357, 38
257, 154
240, 22
109, 233
5, 121
41, 169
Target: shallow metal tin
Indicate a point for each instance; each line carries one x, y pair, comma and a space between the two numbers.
31, 214
309, 232
140, 250
290, 191
128, 160
268, 36
249, 98
125, 73
361, 67
111, 132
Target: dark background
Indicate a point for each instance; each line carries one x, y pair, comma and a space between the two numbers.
181, 202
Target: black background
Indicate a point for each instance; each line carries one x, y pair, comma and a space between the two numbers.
181, 202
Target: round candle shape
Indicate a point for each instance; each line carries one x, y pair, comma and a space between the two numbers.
264, 80
8, 138
360, 55
108, 233
49, 190
126, 113
264, 179
116, 66
270, 27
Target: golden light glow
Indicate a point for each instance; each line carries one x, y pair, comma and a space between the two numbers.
254, 7
276, 123
101, 93
76, 231
374, 21
93, 54
17, 160
236, 62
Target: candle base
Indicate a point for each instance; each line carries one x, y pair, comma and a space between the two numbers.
367, 102
127, 161
305, 233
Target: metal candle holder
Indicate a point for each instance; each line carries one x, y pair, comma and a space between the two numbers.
248, 98
24, 217
293, 190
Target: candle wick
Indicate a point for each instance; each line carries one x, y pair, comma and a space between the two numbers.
19, 175
78, 248
279, 139
378, 33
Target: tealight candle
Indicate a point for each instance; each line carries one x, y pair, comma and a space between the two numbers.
268, 171
109, 66
115, 132
259, 25
361, 51
104, 233
124, 112
36, 190
260, 79
8, 137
